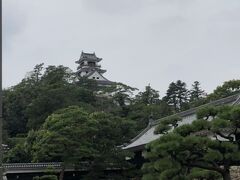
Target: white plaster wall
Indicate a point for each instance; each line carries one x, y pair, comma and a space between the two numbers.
96, 74
188, 119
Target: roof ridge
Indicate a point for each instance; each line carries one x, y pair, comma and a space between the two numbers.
237, 101
91, 73
141, 133
229, 99
88, 53
193, 110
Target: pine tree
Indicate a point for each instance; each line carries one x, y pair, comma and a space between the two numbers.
171, 97
149, 96
227, 89
182, 94
177, 95
204, 149
196, 92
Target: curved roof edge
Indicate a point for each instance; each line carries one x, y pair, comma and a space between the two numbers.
231, 100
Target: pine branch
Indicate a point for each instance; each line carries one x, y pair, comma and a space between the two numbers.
204, 166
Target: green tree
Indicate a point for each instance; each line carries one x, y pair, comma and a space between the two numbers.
15, 102
86, 83
146, 104
73, 136
121, 95
196, 93
35, 75
177, 96
182, 94
171, 96
56, 91
18, 154
202, 149
66, 136
112, 132
36, 96
140, 113
227, 89
148, 97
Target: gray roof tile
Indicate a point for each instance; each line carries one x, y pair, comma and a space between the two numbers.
147, 135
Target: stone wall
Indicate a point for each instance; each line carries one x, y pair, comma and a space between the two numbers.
235, 172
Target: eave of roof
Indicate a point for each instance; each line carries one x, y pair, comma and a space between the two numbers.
107, 82
232, 100
100, 82
88, 57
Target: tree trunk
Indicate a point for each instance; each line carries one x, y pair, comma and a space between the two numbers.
237, 136
61, 176
226, 175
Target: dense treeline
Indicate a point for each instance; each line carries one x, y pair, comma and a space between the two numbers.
52, 109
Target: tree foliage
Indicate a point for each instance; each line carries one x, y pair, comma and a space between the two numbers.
57, 110
177, 95
227, 89
196, 92
148, 97
206, 148
73, 136
121, 96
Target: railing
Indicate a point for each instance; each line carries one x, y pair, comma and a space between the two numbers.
9, 166
41, 167
13, 168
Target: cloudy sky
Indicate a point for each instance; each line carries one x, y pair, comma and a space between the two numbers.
140, 41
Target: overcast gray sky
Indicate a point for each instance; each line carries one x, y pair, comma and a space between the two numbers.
140, 41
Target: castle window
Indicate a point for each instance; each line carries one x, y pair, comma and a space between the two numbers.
91, 64
97, 77
93, 77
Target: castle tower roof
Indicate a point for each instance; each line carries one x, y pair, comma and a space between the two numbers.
88, 57
90, 68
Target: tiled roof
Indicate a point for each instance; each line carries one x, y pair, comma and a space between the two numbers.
88, 57
103, 83
147, 135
